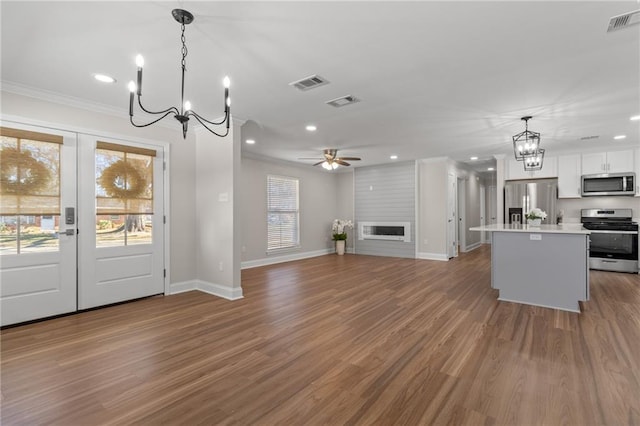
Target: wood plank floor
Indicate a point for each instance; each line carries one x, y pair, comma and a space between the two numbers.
335, 340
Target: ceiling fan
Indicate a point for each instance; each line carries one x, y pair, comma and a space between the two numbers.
331, 160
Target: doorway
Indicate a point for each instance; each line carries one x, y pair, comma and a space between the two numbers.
81, 222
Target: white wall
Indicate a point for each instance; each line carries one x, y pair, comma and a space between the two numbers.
217, 199
321, 193
432, 209
181, 167
345, 202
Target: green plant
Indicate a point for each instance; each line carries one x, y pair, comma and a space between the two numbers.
340, 237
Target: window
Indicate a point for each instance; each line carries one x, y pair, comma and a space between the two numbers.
29, 191
124, 195
282, 213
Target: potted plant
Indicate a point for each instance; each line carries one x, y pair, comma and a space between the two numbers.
339, 229
535, 217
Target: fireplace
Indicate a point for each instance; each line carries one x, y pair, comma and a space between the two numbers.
395, 231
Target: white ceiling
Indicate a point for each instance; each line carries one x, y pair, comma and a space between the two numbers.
435, 78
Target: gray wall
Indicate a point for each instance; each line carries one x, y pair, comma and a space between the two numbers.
321, 193
387, 194
432, 212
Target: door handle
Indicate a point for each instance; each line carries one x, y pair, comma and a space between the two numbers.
70, 232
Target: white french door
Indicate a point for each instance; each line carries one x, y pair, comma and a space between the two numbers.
81, 222
37, 223
121, 226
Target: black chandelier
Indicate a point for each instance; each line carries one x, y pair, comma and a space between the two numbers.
185, 112
526, 147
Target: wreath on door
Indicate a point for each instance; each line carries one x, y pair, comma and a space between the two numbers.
122, 180
21, 173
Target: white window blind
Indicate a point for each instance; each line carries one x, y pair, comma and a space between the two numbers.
282, 213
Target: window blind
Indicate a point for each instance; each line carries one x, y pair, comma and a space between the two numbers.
282, 212
30, 173
124, 179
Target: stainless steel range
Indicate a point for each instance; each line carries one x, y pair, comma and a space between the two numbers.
614, 239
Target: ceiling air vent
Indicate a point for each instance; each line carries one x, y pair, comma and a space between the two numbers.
342, 101
310, 82
588, 138
624, 20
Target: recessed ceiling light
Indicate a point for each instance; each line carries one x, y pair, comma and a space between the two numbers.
250, 141
490, 169
394, 157
311, 128
473, 158
619, 137
635, 118
103, 78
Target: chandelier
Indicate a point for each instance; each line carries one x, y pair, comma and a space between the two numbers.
184, 113
526, 147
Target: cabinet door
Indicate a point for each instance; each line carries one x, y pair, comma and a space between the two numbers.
620, 161
569, 176
594, 163
637, 169
516, 170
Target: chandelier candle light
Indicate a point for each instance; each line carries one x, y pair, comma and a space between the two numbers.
184, 112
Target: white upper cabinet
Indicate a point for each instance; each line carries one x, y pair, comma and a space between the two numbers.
607, 162
569, 174
515, 169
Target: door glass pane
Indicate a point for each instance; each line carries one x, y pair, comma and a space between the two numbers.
124, 195
123, 230
8, 234
39, 234
29, 191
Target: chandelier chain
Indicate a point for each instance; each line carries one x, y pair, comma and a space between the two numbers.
184, 49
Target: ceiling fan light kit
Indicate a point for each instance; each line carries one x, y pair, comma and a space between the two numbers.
184, 113
331, 161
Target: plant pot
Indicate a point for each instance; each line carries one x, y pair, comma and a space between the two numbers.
534, 222
340, 247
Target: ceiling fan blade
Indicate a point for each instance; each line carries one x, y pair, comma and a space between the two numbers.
318, 163
342, 163
349, 158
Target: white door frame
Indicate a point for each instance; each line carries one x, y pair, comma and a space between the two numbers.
452, 217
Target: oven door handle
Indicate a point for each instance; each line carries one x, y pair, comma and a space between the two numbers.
612, 232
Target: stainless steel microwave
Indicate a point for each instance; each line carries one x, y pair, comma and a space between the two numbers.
608, 184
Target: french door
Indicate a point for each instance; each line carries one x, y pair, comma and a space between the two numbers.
81, 222
121, 225
37, 223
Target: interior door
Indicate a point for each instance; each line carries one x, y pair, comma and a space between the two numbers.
121, 221
37, 223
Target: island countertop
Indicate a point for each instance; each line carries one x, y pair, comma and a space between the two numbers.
564, 228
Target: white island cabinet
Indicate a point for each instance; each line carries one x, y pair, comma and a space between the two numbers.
547, 265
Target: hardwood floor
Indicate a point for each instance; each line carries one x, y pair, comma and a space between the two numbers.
335, 340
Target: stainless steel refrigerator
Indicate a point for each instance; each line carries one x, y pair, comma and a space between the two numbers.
520, 196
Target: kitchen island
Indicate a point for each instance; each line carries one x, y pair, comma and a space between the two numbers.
546, 265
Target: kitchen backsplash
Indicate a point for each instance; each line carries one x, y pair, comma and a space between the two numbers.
572, 206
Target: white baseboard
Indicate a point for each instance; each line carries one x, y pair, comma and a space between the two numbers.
472, 247
205, 287
284, 258
181, 287
432, 256
220, 290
